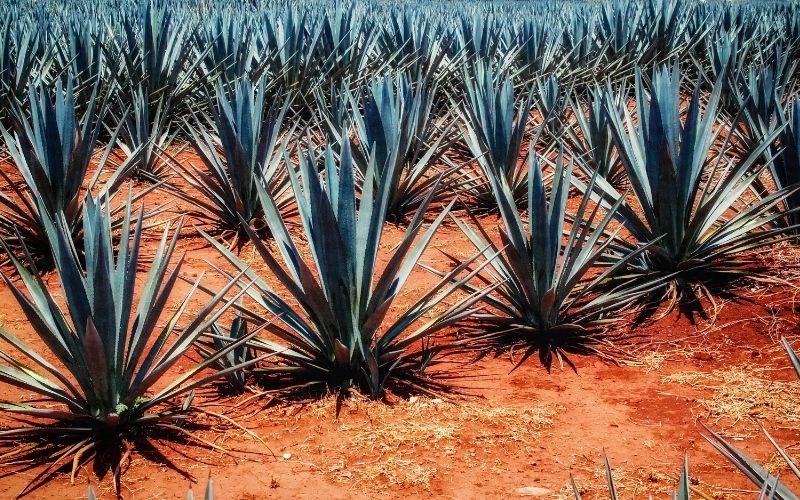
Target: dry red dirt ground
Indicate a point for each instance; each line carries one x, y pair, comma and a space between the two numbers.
507, 429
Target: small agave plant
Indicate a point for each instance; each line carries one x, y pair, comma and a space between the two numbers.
337, 336
156, 69
242, 355
102, 373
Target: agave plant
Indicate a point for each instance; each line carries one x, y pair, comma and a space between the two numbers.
754, 471
786, 165
146, 136
345, 45
592, 141
102, 374
289, 43
418, 43
759, 99
539, 49
695, 228
479, 39
549, 298
551, 105
337, 336
243, 153
156, 74
400, 132
494, 124
232, 49
53, 149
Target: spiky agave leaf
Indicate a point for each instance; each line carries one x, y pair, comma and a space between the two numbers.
107, 383
337, 336
689, 196
549, 297
53, 149
241, 151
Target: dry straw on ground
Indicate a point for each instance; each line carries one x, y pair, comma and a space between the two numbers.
410, 443
740, 393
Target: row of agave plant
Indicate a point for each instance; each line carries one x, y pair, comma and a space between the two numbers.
702, 189
163, 57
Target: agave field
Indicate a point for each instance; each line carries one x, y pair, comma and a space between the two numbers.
400, 249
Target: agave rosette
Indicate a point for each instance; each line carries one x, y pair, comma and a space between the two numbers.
241, 148
550, 273
101, 371
53, 149
688, 195
337, 336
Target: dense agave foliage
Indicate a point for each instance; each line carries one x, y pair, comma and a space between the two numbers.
680, 120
